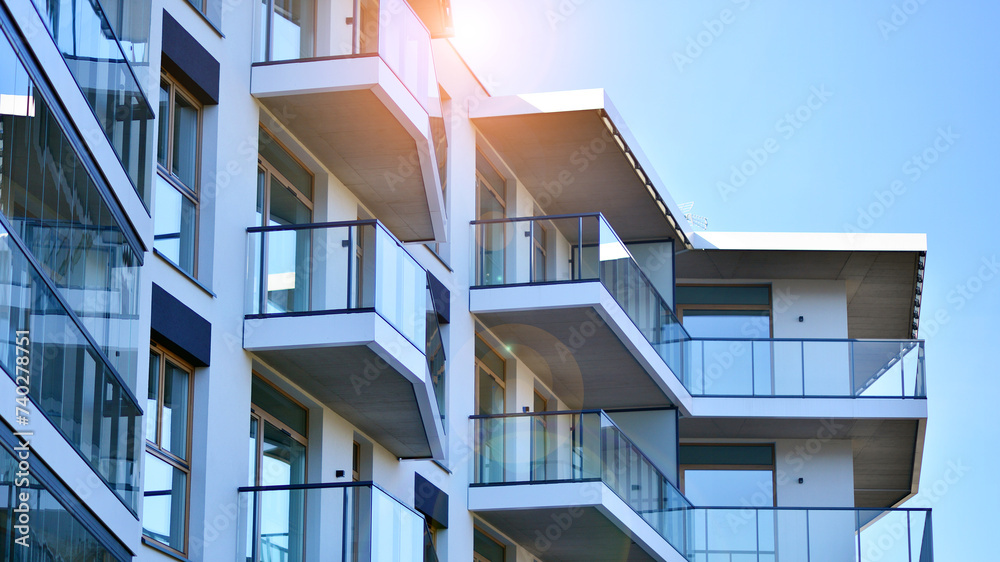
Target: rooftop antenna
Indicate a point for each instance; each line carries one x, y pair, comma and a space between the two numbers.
697, 221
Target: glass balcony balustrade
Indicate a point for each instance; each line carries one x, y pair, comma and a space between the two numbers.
337, 267
810, 535
349, 522
88, 42
49, 352
582, 446
587, 446
582, 248
344, 28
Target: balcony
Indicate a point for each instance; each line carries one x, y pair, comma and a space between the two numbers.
571, 485
566, 295
579, 473
349, 522
363, 97
800, 368
573, 149
343, 310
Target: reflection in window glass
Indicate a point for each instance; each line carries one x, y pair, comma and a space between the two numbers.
164, 503
174, 225
165, 475
727, 323
729, 488
185, 140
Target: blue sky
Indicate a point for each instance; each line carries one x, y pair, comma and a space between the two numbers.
854, 99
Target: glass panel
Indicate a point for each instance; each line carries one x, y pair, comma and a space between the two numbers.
174, 222
63, 220
397, 531
70, 380
827, 367
286, 165
163, 124
269, 399
55, 532
727, 488
176, 405
185, 145
740, 324
405, 45
368, 27
260, 36
164, 502
153, 398
288, 252
486, 549
101, 69
292, 31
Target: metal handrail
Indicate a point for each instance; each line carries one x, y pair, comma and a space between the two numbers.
325, 486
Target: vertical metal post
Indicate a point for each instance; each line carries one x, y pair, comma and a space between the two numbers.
350, 263
803, 353
850, 368
902, 373
262, 305
531, 251
579, 245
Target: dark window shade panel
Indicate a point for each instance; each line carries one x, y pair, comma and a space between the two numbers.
723, 294
278, 405
187, 61
430, 500
735, 455
180, 329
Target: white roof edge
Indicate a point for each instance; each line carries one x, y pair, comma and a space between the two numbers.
540, 103
580, 100
810, 241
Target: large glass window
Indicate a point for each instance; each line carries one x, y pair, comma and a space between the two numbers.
490, 390
485, 548
725, 311
728, 475
278, 457
175, 209
284, 197
491, 203
168, 463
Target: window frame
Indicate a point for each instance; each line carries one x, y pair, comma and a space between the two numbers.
683, 468
769, 307
262, 415
164, 170
500, 379
156, 449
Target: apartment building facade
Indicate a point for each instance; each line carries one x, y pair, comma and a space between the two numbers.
378, 313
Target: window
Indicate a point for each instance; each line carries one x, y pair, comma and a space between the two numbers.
485, 548
211, 9
728, 475
284, 197
168, 450
725, 311
278, 427
539, 243
539, 440
175, 208
491, 203
490, 389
